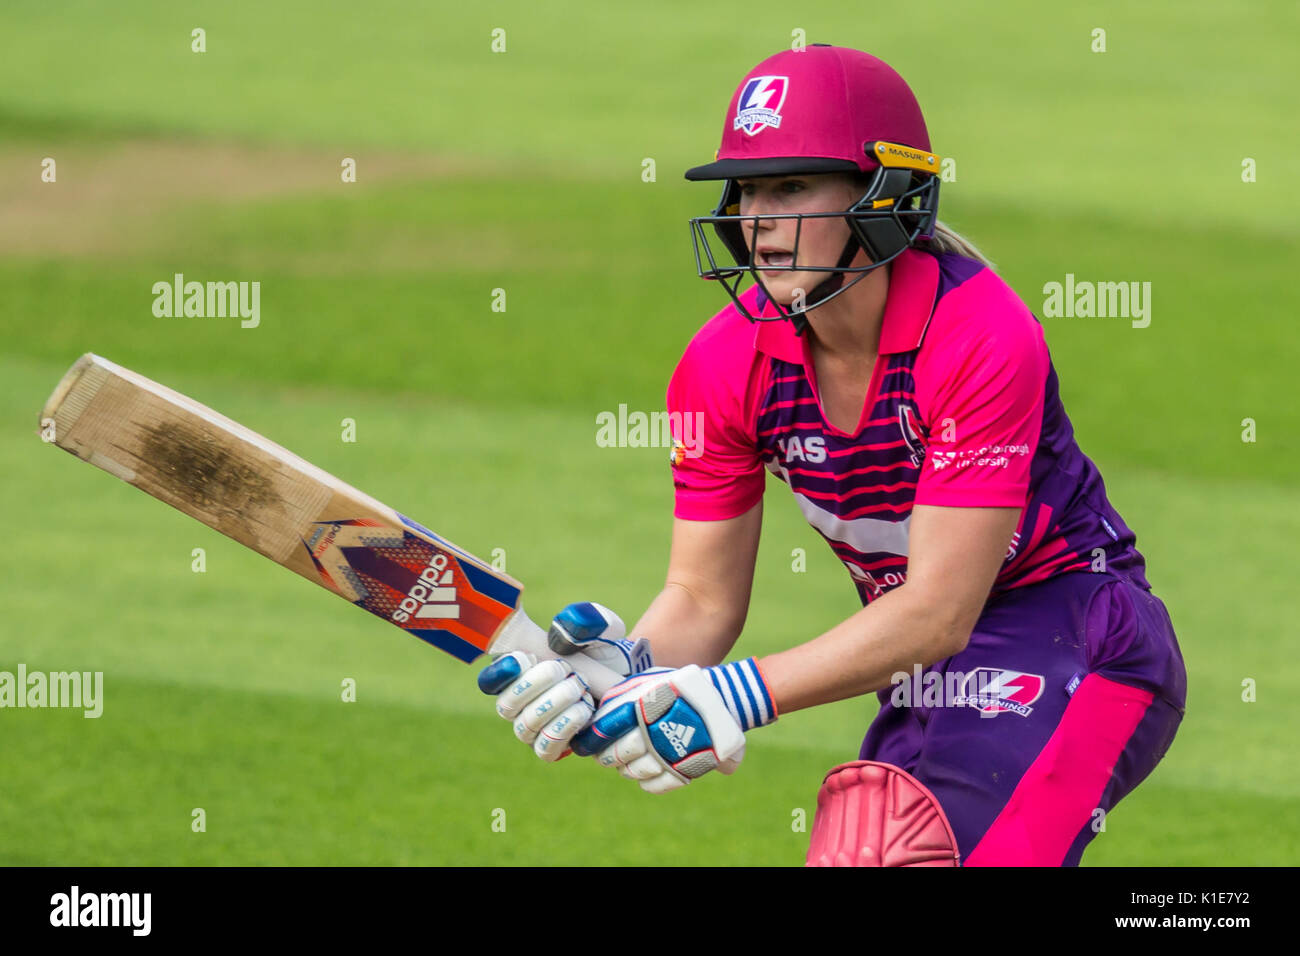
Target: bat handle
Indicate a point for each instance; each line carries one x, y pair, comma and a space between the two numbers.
519, 633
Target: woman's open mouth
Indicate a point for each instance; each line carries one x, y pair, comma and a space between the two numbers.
775, 258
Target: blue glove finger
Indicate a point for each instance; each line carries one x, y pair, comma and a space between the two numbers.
574, 625
605, 729
500, 674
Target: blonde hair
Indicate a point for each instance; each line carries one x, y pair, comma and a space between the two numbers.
946, 239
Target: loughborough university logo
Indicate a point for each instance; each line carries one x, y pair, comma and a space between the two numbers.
760, 104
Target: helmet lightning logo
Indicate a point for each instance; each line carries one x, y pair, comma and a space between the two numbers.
760, 104
996, 691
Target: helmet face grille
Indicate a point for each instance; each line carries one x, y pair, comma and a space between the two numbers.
896, 211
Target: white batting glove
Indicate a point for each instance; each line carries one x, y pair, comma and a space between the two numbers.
665, 728
546, 701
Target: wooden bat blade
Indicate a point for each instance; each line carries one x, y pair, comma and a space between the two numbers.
268, 499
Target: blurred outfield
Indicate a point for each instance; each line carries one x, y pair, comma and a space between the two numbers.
522, 171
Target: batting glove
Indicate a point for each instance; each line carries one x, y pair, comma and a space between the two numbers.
545, 700
665, 728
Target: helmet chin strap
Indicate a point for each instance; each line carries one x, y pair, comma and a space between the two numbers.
833, 282
826, 288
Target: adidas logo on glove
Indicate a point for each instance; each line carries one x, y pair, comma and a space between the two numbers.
678, 735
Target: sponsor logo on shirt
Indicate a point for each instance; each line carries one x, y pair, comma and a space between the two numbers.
867, 580
811, 449
911, 429
986, 456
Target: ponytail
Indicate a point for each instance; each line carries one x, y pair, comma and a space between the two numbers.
947, 240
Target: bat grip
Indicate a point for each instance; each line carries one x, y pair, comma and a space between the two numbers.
519, 633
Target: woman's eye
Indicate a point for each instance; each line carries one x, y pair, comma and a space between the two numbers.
792, 186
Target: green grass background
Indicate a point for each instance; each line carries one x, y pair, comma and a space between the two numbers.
223, 688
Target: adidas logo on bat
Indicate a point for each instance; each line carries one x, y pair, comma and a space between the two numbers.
433, 596
678, 735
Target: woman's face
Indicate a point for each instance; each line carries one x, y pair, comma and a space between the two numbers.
821, 241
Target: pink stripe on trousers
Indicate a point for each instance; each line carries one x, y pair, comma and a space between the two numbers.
1062, 788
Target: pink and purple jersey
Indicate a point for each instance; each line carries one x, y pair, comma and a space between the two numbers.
963, 410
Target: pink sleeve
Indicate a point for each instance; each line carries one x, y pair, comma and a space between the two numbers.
980, 388
713, 408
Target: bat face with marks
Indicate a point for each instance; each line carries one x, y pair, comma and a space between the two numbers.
268, 499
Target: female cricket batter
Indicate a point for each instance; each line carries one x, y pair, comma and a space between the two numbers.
1028, 678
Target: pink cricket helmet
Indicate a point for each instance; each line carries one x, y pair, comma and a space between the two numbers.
823, 109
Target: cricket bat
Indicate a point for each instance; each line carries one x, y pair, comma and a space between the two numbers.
268, 499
